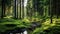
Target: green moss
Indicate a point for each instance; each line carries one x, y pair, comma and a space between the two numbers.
18, 23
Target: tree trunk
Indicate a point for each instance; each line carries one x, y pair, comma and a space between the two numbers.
3, 9
15, 9
20, 9
51, 15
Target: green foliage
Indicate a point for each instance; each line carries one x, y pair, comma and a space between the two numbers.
40, 15
48, 28
18, 23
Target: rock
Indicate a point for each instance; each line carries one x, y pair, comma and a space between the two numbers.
16, 30
34, 25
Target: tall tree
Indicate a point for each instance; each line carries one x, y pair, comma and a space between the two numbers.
15, 11
3, 9
51, 12
22, 9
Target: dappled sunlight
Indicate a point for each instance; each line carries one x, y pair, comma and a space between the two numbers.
8, 17
29, 16
47, 22
26, 20
44, 26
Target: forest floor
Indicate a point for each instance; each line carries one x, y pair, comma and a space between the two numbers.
4, 24
49, 28
46, 26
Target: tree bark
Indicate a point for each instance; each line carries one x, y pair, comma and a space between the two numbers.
15, 9
3, 9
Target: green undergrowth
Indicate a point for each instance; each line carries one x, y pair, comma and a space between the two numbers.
15, 23
46, 25
49, 28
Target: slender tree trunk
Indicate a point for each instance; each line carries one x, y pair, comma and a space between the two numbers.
3, 9
20, 9
51, 11
15, 9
